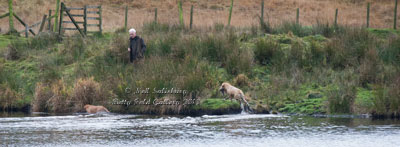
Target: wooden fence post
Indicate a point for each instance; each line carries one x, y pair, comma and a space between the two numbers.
297, 15
155, 15
191, 17
262, 13
126, 18
49, 20
26, 31
368, 6
85, 19
336, 15
230, 13
42, 24
61, 19
10, 16
395, 16
56, 16
100, 20
180, 13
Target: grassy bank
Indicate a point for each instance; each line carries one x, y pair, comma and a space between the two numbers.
289, 69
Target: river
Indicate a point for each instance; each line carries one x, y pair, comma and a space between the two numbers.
219, 130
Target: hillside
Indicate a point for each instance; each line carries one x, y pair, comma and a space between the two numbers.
287, 69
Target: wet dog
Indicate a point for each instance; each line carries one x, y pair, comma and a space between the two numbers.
235, 93
95, 109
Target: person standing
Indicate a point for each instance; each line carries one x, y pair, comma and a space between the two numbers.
137, 47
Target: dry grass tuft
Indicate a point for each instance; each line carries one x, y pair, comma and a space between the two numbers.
86, 91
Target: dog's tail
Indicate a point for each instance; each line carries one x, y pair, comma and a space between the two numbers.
247, 107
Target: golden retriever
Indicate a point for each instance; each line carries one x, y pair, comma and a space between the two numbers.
235, 93
95, 109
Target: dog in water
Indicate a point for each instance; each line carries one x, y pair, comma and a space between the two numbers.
95, 109
235, 93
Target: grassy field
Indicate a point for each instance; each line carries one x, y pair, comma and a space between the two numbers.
317, 69
245, 12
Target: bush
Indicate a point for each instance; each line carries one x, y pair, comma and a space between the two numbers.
241, 80
240, 60
267, 51
340, 99
16, 50
43, 40
380, 101
324, 29
197, 78
318, 55
214, 48
85, 91
394, 97
8, 98
59, 101
119, 48
43, 93
298, 54
391, 52
370, 68
350, 47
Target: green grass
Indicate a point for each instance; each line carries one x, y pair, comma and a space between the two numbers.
384, 32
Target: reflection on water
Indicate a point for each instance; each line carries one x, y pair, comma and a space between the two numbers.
223, 130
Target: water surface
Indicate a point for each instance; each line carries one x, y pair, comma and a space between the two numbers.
223, 130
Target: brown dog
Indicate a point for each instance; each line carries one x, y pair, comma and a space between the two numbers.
95, 109
235, 93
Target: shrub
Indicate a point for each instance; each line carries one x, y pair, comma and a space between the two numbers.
241, 80
189, 46
391, 52
240, 60
298, 54
370, 68
197, 78
267, 51
380, 101
59, 101
213, 48
154, 72
43, 40
16, 50
43, 93
324, 29
8, 97
85, 91
119, 48
349, 48
394, 96
340, 99
318, 54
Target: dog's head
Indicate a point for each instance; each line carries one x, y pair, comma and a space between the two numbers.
86, 106
222, 88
